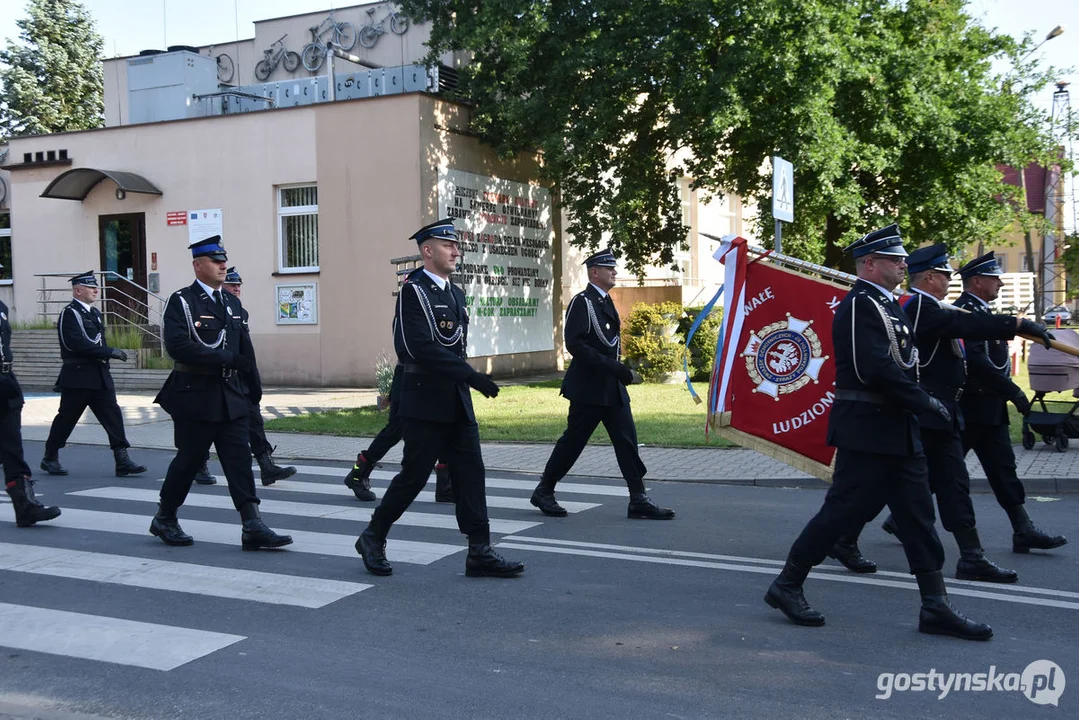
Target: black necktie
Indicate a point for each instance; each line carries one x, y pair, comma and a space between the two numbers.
450, 299
220, 300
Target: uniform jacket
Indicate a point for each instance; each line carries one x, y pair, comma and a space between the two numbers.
988, 388
10, 392
252, 381
593, 337
865, 323
83, 349
211, 397
430, 333
942, 363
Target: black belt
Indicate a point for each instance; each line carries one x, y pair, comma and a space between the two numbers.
5, 368
945, 393
218, 370
414, 369
860, 396
75, 361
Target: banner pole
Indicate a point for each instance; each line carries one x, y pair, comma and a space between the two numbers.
794, 262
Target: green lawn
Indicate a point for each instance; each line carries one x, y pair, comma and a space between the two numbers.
665, 415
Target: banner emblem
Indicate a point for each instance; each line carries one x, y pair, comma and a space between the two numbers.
783, 357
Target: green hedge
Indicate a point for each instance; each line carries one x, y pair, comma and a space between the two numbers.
703, 347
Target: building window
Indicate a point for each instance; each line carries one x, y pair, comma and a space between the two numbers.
1002, 261
5, 248
1028, 266
297, 228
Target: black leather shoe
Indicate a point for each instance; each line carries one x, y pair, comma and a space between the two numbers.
482, 561
256, 535
125, 465
203, 476
269, 471
642, 508
974, 565
545, 501
938, 617
358, 479
373, 553
1031, 538
168, 529
848, 553
28, 510
785, 594
52, 466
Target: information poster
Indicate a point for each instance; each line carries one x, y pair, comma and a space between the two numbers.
202, 224
297, 304
507, 267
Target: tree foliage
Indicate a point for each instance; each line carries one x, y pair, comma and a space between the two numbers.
889, 111
52, 77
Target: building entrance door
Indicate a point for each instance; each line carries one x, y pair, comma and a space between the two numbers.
123, 259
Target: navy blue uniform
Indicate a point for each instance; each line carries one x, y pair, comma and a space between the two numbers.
85, 380
874, 427
204, 394
595, 385
985, 405
11, 402
435, 406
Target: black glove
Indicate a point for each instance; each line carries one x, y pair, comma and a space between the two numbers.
240, 362
484, 384
624, 374
938, 407
1021, 403
117, 354
1029, 327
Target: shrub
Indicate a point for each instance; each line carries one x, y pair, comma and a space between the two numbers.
703, 347
384, 375
123, 336
650, 343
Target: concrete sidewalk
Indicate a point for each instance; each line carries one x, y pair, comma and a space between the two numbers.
1043, 469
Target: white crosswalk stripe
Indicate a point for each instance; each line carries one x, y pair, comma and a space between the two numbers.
316, 494
299, 509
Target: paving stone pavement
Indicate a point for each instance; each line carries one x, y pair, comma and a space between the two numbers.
1043, 469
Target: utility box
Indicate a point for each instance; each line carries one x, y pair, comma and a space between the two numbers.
163, 86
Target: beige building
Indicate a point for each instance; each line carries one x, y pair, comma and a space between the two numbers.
314, 188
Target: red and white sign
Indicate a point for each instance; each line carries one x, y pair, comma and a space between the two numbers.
176, 217
773, 383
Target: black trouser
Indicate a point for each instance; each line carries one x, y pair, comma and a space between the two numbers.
73, 403
993, 446
11, 456
256, 430
193, 439
948, 480
581, 423
459, 444
862, 484
391, 434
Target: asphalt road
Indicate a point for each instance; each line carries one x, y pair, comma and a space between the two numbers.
612, 618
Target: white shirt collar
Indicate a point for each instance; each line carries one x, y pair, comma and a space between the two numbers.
80, 302
209, 290
440, 281
887, 293
601, 293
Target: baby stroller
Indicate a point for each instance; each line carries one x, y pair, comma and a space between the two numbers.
1053, 371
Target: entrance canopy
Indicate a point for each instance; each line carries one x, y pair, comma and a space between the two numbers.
77, 183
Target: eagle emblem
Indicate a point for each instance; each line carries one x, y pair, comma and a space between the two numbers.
783, 357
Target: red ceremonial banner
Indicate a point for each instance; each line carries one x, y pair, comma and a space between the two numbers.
779, 386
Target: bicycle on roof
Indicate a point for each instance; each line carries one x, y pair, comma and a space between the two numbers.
341, 34
371, 31
273, 56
